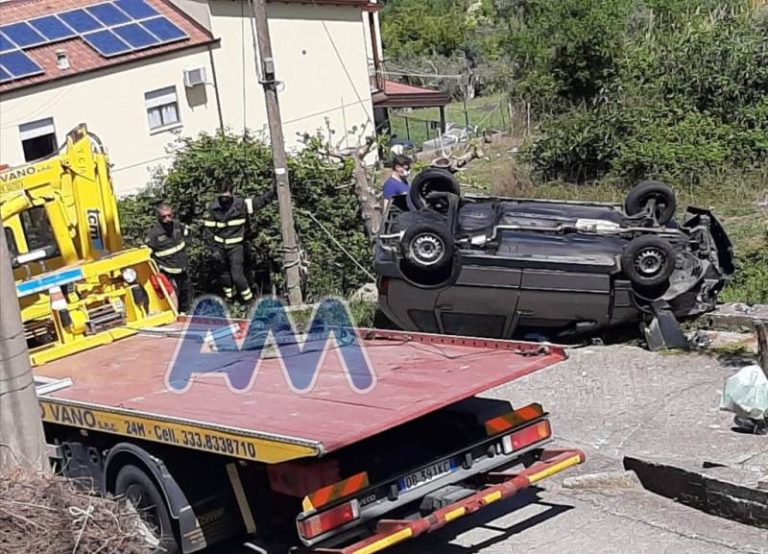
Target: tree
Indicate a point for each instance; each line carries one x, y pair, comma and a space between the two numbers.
321, 186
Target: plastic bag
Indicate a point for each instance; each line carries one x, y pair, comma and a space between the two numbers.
746, 393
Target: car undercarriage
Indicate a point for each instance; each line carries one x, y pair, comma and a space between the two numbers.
552, 270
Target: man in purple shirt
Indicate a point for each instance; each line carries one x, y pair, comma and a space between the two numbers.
397, 184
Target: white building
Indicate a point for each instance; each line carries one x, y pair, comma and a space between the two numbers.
142, 73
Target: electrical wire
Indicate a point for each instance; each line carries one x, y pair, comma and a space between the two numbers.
343, 65
337, 243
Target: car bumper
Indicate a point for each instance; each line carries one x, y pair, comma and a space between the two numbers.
500, 486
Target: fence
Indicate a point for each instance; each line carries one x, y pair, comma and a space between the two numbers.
480, 115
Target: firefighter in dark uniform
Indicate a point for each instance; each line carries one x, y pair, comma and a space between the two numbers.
228, 224
167, 240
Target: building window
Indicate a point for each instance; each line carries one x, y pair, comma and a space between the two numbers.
38, 139
162, 108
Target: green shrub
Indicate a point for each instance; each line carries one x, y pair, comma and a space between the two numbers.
321, 186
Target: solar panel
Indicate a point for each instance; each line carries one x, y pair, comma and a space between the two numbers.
80, 21
135, 35
19, 65
106, 43
6, 44
138, 9
23, 34
52, 28
108, 14
110, 28
163, 29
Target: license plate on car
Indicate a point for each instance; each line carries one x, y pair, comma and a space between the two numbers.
425, 475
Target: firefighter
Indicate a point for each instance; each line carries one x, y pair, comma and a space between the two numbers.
167, 240
228, 224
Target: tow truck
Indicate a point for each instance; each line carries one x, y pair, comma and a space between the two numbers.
331, 470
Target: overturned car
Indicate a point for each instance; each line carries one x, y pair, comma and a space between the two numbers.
502, 267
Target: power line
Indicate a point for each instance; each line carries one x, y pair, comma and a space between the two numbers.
343, 66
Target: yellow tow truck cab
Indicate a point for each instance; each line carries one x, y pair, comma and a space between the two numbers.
77, 286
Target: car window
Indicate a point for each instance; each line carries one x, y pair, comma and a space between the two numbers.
38, 232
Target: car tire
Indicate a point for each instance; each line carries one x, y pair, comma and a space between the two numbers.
429, 180
648, 261
427, 247
136, 486
640, 196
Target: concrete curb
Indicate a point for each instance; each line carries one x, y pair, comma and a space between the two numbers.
739, 503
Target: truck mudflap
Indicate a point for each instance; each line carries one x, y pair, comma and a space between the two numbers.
501, 485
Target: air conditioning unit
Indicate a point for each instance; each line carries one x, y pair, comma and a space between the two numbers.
194, 77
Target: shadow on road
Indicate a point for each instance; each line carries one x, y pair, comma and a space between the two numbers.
484, 520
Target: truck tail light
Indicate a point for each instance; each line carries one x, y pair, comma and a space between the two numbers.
526, 437
328, 520
513, 419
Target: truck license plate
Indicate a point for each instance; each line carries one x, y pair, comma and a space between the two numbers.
425, 475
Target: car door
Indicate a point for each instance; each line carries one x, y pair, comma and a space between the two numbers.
481, 303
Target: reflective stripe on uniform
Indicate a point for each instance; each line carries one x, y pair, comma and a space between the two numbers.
234, 240
249, 205
229, 293
209, 223
170, 251
236, 222
246, 294
186, 231
171, 270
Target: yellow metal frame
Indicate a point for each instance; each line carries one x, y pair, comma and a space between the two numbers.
74, 187
175, 432
102, 284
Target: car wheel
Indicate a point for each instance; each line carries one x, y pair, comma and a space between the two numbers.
431, 180
648, 261
427, 247
655, 195
144, 496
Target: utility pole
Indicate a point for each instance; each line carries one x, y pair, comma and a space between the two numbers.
287, 228
22, 443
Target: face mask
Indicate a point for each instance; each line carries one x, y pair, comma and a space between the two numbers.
225, 201
406, 172
167, 225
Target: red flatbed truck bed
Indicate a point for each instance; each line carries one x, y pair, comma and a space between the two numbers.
302, 444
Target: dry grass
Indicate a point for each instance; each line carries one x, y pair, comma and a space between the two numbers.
49, 515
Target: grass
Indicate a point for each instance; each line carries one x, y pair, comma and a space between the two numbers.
487, 113
734, 199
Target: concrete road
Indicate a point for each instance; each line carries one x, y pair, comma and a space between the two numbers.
615, 401
555, 521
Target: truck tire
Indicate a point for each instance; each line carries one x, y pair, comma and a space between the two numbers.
640, 197
429, 180
427, 247
648, 261
136, 486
